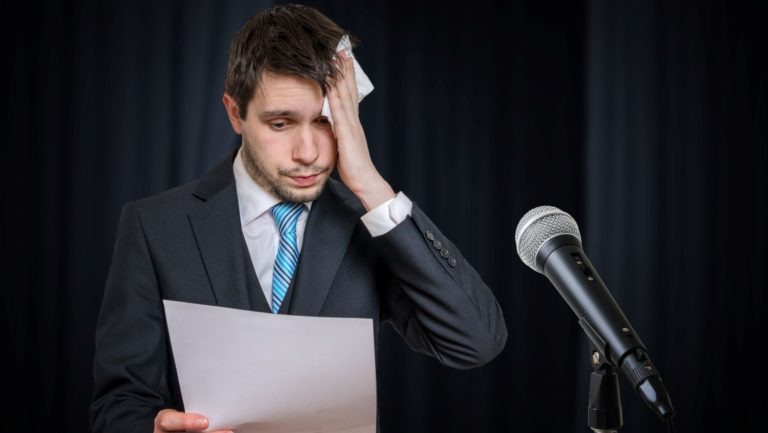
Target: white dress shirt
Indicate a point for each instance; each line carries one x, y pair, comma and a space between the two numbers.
261, 234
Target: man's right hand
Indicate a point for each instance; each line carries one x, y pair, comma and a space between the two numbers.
169, 420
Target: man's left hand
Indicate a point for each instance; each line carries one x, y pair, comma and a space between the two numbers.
355, 166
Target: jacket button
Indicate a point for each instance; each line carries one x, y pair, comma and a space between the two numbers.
429, 235
444, 254
437, 244
452, 262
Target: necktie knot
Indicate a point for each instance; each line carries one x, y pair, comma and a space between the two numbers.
286, 216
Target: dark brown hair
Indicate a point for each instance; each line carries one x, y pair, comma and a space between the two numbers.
285, 39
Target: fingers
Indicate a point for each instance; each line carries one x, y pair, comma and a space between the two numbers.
345, 63
340, 107
351, 83
346, 84
169, 420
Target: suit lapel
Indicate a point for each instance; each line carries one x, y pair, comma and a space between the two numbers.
326, 236
216, 224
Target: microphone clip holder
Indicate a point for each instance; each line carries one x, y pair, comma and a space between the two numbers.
604, 412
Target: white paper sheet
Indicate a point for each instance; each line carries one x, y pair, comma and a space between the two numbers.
267, 373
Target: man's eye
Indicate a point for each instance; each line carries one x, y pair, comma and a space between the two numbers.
323, 121
278, 124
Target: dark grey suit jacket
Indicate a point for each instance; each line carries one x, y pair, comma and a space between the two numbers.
187, 245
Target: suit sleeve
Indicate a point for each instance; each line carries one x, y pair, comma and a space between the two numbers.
131, 358
435, 299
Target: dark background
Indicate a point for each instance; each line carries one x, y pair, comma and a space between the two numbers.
646, 120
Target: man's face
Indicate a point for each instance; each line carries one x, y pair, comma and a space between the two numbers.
288, 147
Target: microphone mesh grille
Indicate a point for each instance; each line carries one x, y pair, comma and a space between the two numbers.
539, 225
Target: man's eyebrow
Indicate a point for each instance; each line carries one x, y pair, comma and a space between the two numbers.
278, 113
282, 113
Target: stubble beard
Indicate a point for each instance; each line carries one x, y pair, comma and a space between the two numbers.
274, 184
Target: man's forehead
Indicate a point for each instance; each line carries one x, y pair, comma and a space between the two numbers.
275, 84
287, 93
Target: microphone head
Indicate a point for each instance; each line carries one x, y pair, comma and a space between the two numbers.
539, 225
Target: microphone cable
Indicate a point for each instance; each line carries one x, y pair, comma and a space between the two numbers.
670, 425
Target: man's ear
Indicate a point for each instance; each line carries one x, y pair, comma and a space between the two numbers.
233, 112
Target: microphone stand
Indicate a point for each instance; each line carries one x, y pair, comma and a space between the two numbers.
604, 413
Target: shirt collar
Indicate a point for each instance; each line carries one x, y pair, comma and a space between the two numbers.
252, 199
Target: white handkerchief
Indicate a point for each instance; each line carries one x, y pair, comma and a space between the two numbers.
364, 85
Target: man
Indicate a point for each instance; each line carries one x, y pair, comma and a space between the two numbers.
269, 230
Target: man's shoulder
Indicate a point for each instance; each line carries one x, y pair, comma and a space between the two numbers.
181, 196
190, 195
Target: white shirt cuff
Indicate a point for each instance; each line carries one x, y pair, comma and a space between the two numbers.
387, 215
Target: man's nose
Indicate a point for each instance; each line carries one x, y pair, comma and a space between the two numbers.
305, 150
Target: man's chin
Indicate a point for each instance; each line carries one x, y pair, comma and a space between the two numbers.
299, 194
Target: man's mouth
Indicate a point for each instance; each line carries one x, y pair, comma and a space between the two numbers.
305, 180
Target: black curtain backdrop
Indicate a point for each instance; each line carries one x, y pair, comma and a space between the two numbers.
647, 121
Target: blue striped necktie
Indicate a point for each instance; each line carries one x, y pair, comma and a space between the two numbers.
286, 216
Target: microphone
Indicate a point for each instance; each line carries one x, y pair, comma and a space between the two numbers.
549, 242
